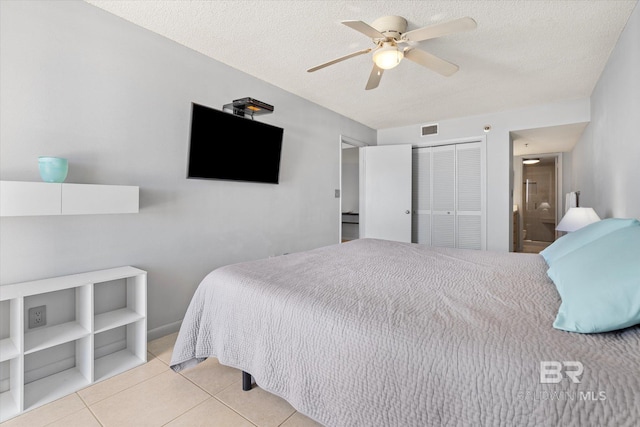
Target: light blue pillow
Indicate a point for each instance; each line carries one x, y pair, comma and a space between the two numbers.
599, 284
584, 235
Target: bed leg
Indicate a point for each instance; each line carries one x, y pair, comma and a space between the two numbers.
246, 381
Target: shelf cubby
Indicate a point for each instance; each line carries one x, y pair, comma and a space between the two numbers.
10, 329
95, 328
69, 318
112, 354
126, 305
57, 371
10, 388
8, 349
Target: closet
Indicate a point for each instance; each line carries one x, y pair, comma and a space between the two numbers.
449, 195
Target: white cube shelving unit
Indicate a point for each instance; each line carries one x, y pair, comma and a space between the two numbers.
24, 383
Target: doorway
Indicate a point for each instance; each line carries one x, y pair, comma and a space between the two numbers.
349, 188
350, 209
537, 201
539, 204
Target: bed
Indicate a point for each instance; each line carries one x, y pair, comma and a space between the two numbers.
381, 333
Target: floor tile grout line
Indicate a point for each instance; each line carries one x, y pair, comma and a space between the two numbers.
96, 415
185, 412
236, 383
190, 409
287, 419
125, 389
207, 392
239, 414
168, 364
68, 415
25, 413
194, 383
119, 391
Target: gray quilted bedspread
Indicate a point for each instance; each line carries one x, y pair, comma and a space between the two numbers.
381, 333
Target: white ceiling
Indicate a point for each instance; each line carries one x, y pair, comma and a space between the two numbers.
521, 53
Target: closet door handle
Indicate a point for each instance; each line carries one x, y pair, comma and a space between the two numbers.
407, 212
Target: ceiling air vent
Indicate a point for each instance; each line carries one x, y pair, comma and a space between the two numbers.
429, 129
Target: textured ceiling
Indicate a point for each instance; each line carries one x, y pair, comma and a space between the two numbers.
521, 53
553, 139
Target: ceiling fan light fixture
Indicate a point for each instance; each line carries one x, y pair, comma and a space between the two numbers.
387, 57
530, 161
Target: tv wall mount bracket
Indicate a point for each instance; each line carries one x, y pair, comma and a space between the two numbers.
248, 107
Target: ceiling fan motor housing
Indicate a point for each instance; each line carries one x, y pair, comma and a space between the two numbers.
391, 26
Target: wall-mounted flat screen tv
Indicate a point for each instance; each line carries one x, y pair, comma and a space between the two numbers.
226, 146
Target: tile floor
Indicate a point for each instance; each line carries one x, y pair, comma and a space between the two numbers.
209, 394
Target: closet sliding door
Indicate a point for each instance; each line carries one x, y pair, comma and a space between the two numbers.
421, 196
469, 196
449, 194
443, 166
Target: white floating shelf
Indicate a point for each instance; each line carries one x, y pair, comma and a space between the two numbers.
20, 198
30, 198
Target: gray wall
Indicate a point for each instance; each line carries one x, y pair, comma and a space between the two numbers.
605, 161
114, 99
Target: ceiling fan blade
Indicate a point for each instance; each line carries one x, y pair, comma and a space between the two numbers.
365, 29
342, 58
374, 77
430, 61
437, 30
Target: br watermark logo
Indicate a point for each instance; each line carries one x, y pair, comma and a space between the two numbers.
554, 372
551, 371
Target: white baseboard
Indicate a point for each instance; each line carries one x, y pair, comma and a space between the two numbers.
156, 333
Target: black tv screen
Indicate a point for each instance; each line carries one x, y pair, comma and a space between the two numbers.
230, 147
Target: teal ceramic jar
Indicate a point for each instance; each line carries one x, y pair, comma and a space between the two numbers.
53, 169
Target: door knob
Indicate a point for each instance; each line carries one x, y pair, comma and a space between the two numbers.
407, 212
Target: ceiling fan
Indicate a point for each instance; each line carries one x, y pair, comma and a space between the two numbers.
388, 33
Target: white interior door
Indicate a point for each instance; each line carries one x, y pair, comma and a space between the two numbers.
385, 192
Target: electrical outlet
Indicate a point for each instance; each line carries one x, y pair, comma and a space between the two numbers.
37, 316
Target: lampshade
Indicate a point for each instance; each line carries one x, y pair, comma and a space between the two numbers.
387, 57
577, 218
530, 161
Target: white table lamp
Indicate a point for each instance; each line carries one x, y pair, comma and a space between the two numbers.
577, 218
